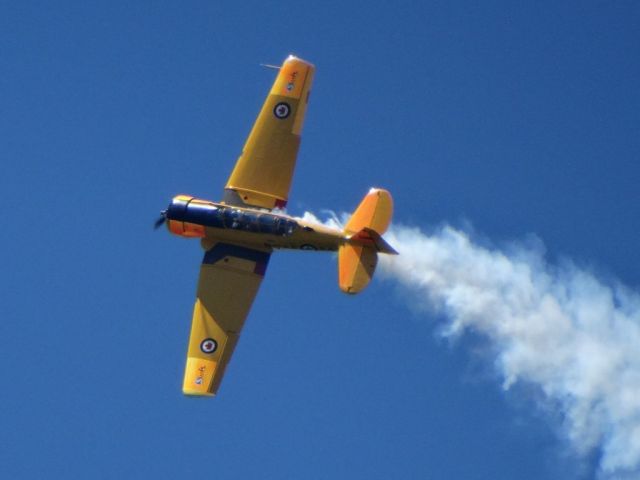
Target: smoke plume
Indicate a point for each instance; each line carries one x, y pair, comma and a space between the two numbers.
561, 329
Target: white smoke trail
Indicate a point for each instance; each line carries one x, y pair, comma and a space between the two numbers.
574, 337
559, 328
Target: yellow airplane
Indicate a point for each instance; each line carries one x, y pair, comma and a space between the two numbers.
239, 233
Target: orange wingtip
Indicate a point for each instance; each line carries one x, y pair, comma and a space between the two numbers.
292, 78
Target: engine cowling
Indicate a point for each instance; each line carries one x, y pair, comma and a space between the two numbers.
177, 213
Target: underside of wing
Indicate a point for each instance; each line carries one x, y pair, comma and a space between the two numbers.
262, 175
230, 276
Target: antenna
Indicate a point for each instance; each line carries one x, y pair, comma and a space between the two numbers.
266, 65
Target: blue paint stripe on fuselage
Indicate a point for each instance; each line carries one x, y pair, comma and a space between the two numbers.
202, 214
222, 250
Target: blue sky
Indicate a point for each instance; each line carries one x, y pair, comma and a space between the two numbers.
518, 120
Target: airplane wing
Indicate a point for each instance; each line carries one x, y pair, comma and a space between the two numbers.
230, 276
262, 175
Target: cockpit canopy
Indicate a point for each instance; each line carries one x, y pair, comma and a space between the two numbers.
199, 212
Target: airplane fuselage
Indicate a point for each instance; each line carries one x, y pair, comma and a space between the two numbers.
190, 217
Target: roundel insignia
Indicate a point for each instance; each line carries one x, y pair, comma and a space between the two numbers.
208, 345
282, 110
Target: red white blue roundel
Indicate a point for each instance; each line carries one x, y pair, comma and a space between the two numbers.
282, 110
208, 345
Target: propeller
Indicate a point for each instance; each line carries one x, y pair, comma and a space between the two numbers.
160, 221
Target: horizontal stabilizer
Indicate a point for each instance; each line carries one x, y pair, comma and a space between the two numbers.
356, 264
374, 212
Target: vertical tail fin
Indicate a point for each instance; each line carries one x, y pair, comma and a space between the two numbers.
358, 257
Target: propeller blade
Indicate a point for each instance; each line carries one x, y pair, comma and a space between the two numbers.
160, 221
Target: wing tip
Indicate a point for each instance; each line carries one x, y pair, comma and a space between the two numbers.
197, 393
295, 58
